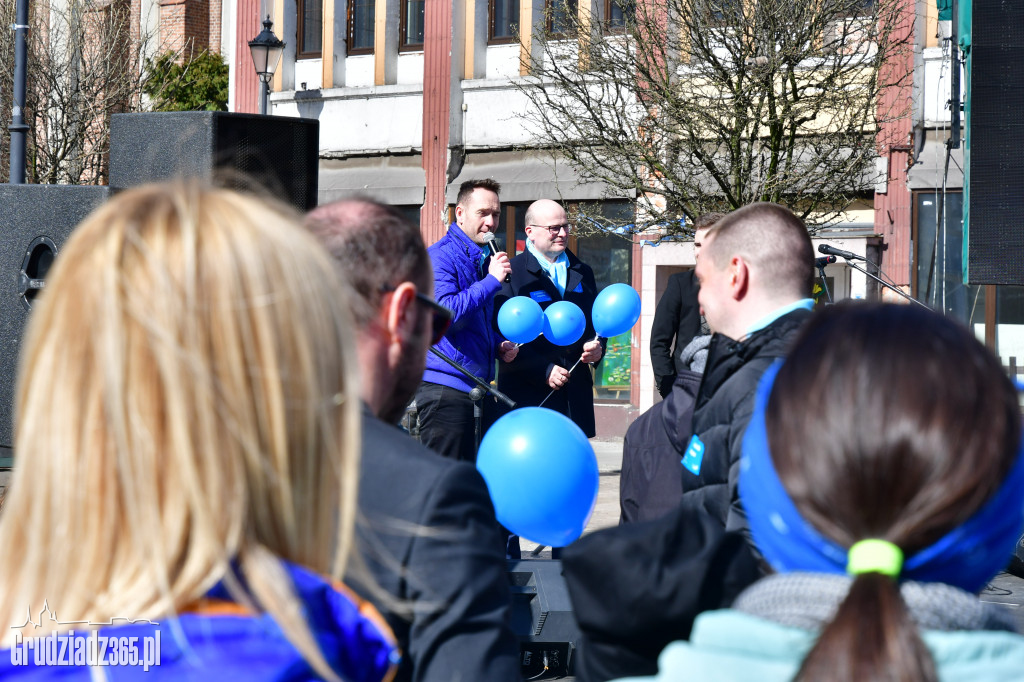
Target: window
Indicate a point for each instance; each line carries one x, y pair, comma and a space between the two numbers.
562, 17
618, 13
939, 261
504, 21
938, 246
360, 26
611, 258
727, 12
856, 8
310, 29
411, 29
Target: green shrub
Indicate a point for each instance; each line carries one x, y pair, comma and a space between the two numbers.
200, 84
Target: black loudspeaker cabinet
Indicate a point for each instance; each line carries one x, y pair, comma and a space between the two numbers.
995, 230
37, 220
542, 618
277, 154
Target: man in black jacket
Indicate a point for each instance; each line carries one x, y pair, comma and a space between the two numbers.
428, 538
548, 272
677, 318
756, 275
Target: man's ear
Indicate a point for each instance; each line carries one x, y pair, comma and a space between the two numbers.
739, 272
400, 314
460, 212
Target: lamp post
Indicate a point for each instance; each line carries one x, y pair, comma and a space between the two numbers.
266, 51
19, 129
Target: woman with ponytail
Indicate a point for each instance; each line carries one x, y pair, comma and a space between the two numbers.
883, 479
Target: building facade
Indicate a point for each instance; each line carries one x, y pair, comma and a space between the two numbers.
415, 96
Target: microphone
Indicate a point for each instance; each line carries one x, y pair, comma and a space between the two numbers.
823, 261
489, 238
832, 251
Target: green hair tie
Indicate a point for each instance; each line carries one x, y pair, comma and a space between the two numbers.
874, 556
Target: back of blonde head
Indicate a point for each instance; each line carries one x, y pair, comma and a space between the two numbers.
186, 399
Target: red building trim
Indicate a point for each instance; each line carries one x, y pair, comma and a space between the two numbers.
247, 26
893, 209
437, 78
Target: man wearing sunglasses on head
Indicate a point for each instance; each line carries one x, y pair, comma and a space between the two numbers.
427, 532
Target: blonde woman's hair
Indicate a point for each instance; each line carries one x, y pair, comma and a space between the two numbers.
186, 401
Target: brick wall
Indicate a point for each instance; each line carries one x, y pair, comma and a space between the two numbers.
213, 30
190, 26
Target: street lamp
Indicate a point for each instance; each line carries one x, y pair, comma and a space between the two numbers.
266, 51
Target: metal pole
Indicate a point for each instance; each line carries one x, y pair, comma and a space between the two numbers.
264, 93
18, 128
954, 81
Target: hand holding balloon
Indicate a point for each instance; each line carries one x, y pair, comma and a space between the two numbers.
558, 376
508, 351
541, 473
616, 310
520, 319
592, 351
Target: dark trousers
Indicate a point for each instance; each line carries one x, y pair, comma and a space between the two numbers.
446, 425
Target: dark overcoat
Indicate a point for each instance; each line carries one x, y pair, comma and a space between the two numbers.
428, 537
525, 378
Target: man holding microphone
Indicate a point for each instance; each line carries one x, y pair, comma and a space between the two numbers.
466, 278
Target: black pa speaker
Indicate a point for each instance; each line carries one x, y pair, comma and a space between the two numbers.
277, 154
37, 220
994, 205
542, 618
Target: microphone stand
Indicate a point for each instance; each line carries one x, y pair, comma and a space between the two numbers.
884, 283
824, 283
481, 389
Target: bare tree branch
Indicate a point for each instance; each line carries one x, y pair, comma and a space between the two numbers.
709, 105
85, 63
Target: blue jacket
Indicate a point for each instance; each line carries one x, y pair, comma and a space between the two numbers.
730, 646
221, 640
471, 341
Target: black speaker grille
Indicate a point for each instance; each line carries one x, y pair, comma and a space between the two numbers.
274, 153
995, 237
29, 212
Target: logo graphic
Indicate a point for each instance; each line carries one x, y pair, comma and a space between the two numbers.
70, 648
52, 617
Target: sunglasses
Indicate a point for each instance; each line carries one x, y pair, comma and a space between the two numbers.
440, 317
554, 230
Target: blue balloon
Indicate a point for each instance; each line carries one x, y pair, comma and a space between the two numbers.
564, 323
541, 473
520, 319
616, 310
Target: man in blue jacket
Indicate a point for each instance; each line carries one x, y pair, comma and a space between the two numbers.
466, 278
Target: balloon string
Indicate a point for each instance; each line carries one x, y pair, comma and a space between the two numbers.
596, 338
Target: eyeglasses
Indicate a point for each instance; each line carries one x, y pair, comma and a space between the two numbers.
554, 230
441, 317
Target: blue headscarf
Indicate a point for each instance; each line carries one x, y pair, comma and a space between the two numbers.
966, 557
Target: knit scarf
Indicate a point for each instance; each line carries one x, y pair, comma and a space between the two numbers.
810, 600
